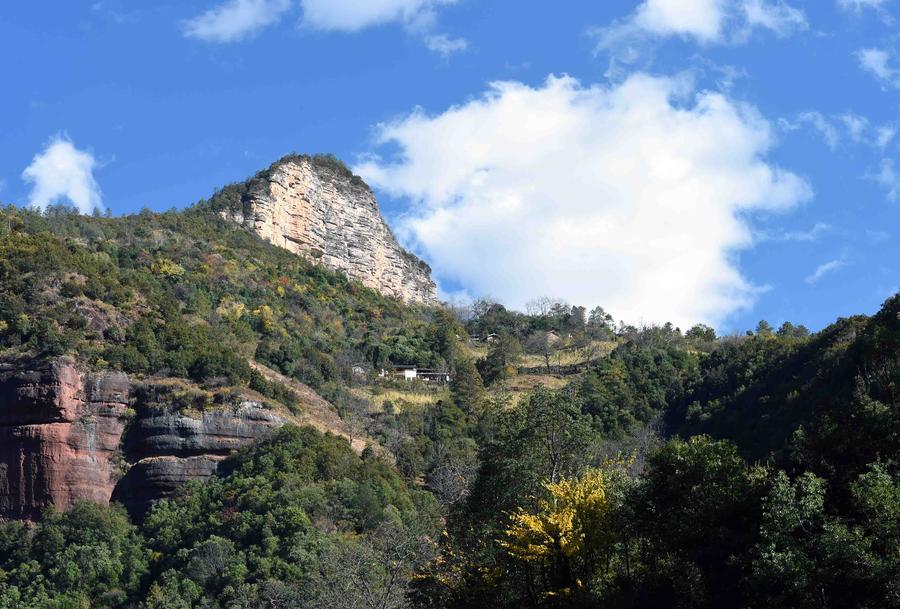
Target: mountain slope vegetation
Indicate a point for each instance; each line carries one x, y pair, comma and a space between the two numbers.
655, 468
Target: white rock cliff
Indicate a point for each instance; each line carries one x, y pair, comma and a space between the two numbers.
319, 210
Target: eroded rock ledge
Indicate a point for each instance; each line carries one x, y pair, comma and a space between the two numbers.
67, 434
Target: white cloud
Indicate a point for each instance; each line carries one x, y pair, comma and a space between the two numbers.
236, 20
779, 17
858, 6
813, 234
877, 62
629, 41
701, 19
877, 236
353, 15
856, 125
824, 269
818, 122
443, 44
836, 127
62, 172
417, 16
633, 196
885, 135
888, 178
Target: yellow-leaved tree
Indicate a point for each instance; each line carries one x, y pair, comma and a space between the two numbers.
570, 529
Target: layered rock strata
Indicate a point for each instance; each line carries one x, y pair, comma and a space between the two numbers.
60, 430
70, 435
324, 213
170, 449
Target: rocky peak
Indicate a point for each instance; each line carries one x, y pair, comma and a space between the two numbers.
315, 207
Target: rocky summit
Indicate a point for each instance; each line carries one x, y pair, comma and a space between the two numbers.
314, 206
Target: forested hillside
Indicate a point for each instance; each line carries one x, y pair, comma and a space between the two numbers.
570, 462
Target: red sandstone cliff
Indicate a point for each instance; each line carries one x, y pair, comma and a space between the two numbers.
60, 429
68, 435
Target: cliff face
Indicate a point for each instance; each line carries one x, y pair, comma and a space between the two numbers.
67, 435
169, 449
322, 212
59, 435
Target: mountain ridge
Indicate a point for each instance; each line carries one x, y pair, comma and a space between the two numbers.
314, 206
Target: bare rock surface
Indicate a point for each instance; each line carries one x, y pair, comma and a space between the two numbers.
216, 432
60, 429
328, 216
168, 449
68, 435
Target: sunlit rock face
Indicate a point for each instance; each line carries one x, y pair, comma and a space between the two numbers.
329, 216
68, 435
60, 429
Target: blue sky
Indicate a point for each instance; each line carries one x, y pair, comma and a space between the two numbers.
695, 160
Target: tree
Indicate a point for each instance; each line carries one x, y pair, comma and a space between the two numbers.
601, 324
785, 571
569, 526
696, 509
789, 330
540, 343
576, 321
371, 573
502, 359
466, 386
764, 328
701, 333
445, 330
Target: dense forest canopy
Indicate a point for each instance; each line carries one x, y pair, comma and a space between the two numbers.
636, 467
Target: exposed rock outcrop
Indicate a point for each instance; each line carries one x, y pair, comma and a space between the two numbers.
69, 435
169, 449
319, 210
60, 429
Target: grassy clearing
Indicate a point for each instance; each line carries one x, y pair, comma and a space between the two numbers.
563, 357
519, 386
567, 357
377, 396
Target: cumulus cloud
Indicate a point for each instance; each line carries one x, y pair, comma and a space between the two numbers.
630, 41
633, 196
701, 19
236, 20
63, 173
824, 269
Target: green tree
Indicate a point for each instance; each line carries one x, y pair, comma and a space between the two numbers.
504, 355
466, 386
